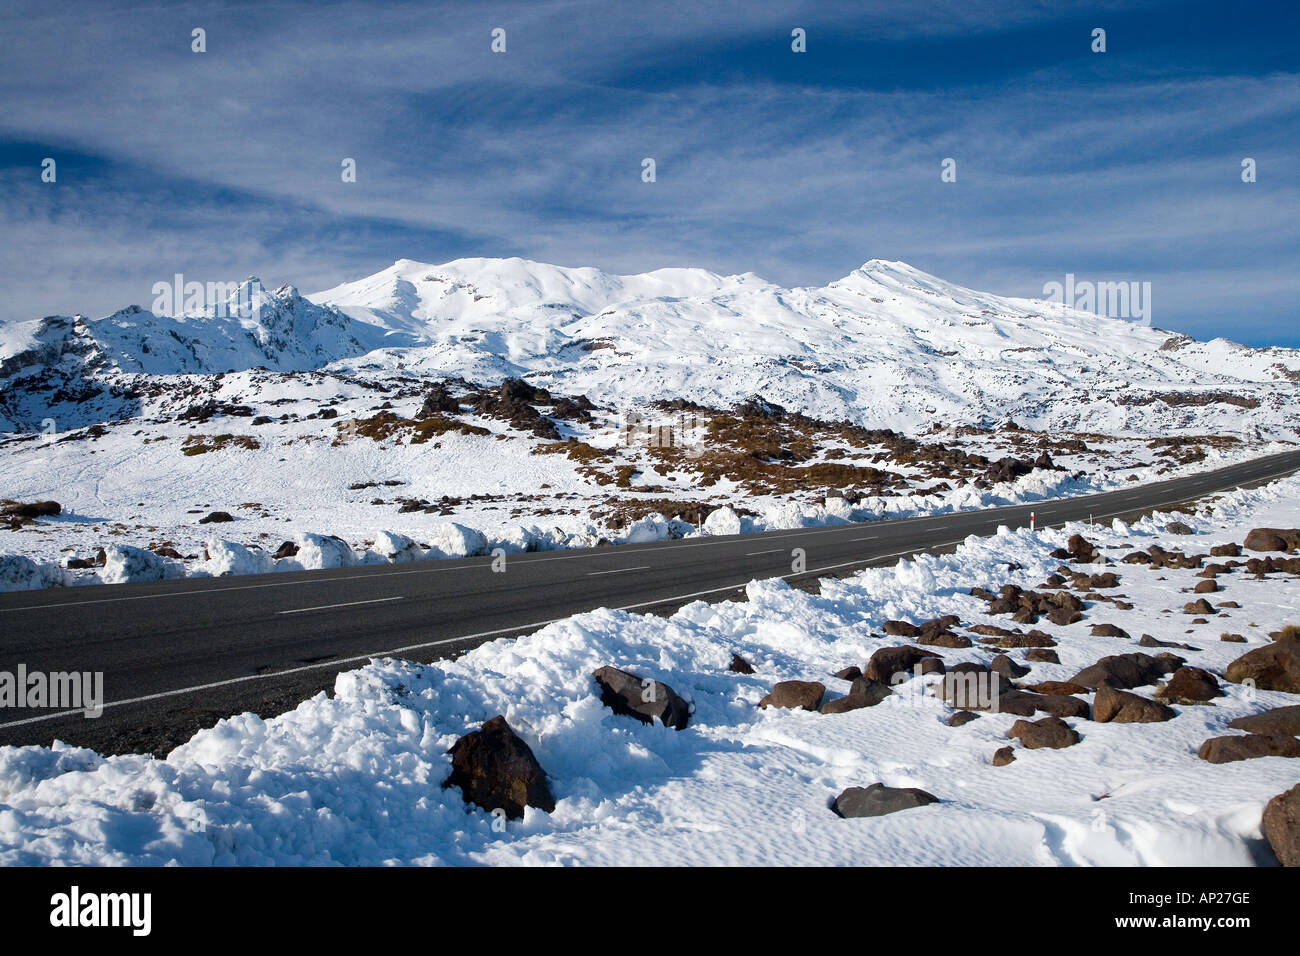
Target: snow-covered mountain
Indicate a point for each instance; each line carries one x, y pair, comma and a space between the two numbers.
887, 345
280, 331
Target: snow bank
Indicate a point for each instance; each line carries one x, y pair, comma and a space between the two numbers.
229, 557
18, 573
722, 521
397, 548
124, 564
317, 551
653, 527
453, 540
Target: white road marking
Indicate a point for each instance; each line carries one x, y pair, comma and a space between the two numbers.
645, 567
327, 607
870, 537
750, 554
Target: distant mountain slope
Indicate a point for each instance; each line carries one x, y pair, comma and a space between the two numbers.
280, 331
887, 345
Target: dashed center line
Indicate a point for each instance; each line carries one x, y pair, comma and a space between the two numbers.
644, 567
750, 554
328, 607
870, 537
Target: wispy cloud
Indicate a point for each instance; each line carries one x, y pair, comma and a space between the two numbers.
227, 163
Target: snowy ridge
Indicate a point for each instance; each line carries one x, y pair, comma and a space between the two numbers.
886, 346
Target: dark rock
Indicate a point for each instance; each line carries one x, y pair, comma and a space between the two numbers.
962, 717
795, 694
438, 401
1272, 539
495, 769
1007, 667
864, 692
628, 695
1205, 587
1059, 705
286, 550
849, 673
1081, 549
1108, 630
33, 509
878, 800
1120, 707
1178, 527
1127, 670
1003, 756
1190, 685
1281, 826
1057, 687
1280, 721
1275, 666
944, 639
1049, 732
1248, 747
900, 629
1061, 616
888, 661
216, 517
1042, 655
1225, 551
739, 665
974, 687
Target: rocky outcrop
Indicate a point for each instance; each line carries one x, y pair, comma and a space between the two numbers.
1272, 539
1275, 666
632, 696
878, 800
795, 695
1247, 747
1127, 670
1281, 826
495, 769
1051, 732
1121, 707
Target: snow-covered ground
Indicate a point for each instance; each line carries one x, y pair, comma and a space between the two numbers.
138, 486
355, 778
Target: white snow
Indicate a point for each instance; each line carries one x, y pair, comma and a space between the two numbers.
18, 573
454, 540
124, 563
356, 778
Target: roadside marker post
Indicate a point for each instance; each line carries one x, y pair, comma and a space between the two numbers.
1031, 521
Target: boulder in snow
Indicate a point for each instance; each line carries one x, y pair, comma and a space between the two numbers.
496, 769
645, 700
878, 800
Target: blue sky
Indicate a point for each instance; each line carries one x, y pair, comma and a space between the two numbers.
1117, 166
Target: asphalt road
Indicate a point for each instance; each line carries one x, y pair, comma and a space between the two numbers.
179, 655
